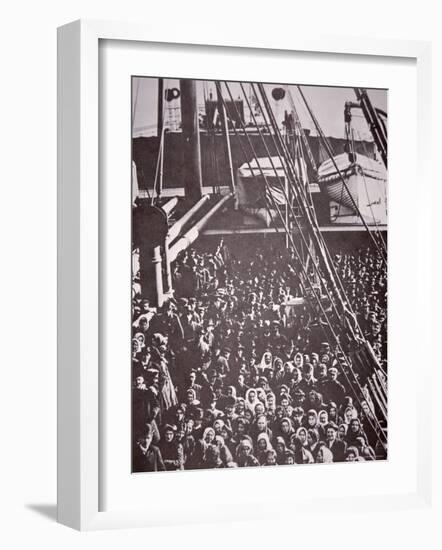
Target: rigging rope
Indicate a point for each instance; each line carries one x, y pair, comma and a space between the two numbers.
157, 188
312, 221
330, 153
302, 281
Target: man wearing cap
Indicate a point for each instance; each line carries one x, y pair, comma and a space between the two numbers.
222, 366
151, 401
294, 382
171, 449
215, 310
189, 321
238, 357
191, 385
229, 410
145, 456
308, 381
298, 397
298, 418
321, 378
220, 398
241, 386
169, 323
332, 389
278, 340
336, 446
209, 335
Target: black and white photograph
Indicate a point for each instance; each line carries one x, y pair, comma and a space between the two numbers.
259, 274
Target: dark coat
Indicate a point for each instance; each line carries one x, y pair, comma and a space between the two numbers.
151, 461
339, 448
334, 391
172, 454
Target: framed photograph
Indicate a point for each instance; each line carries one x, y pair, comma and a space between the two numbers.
233, 267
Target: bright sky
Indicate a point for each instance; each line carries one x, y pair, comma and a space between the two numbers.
326, 102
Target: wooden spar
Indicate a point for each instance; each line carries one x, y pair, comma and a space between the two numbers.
174, 231
157, 265
160, 120
193, 185
190, 236
172, 234
160, 130
170, 205
225, 130
168, 272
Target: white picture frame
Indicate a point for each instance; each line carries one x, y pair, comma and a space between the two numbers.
79, 475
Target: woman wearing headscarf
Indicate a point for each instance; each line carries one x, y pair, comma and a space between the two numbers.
224, 451
251, 399
313, 442
322, 424
349, 413
244, 454
266, 363
285, 429
218, 425
202, 445
299, 446
280, 449
262, 446
271, 405
352, 455
354, 432
298, 360
260, 426
333, 415
312, 419
342, 431
324, 456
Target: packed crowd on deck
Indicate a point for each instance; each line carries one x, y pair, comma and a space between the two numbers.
235, 371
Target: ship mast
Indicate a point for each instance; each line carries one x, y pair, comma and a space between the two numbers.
374, 121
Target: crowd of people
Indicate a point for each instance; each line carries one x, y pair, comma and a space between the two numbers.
234, 371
